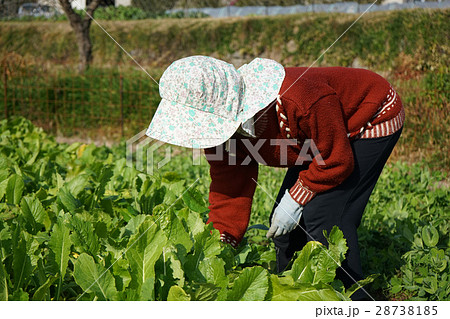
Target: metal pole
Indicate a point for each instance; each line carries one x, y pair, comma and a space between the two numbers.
5, 78
121, 104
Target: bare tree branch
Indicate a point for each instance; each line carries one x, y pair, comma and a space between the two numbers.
90, 9
73, 17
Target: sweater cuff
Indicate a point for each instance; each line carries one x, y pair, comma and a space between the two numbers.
228, 239
301, 194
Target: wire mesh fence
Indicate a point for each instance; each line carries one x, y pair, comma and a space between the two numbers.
98, 102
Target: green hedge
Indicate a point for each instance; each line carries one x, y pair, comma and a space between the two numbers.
376, 40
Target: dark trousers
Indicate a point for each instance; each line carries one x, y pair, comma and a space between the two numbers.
342, 206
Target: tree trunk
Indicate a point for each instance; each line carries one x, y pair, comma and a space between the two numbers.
84, 47
81, 27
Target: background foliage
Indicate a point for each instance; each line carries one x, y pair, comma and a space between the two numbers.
409, 48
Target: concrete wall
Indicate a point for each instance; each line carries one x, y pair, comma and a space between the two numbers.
393, 1
79, 4
124, 3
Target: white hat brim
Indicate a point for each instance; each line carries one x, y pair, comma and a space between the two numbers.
263, 79
184, 126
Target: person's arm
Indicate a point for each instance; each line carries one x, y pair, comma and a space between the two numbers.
324, 124
231, 193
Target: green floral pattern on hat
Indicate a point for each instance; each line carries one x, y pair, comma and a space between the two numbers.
262, 80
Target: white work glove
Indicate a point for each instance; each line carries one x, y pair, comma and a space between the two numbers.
285, 217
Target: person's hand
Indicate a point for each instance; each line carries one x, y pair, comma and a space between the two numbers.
285, 217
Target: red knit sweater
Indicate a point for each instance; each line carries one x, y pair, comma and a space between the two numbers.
326, 107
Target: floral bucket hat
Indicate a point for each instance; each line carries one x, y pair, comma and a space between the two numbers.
204, 100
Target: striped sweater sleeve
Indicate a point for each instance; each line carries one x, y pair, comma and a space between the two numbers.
301, 193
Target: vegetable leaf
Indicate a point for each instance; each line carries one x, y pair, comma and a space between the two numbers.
94, 278
194, 200
60, 244
144, 249
14, 189
21, 265
177, 293
3, 282
252, 284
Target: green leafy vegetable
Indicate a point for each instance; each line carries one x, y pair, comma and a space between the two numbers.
252, 284
77, 223
94, 278
14, 189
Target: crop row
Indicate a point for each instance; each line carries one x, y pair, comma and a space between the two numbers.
78, 223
